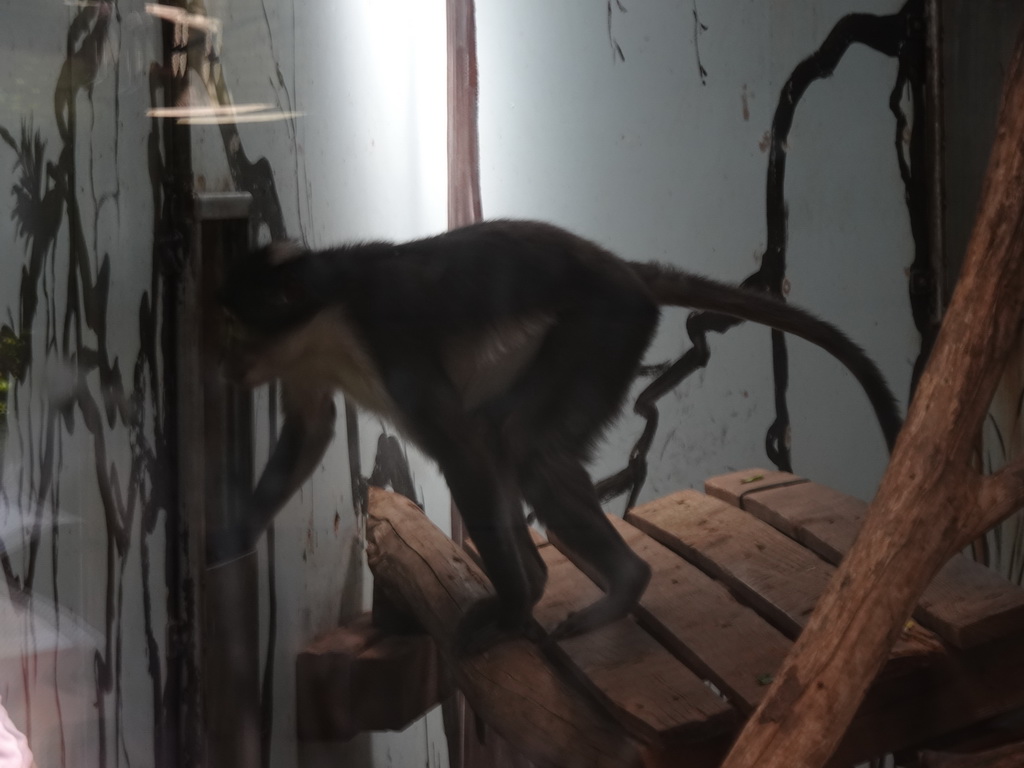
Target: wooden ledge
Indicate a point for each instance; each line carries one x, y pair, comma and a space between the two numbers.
672, 684
358, 678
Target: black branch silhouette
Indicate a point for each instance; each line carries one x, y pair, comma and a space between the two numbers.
900, 35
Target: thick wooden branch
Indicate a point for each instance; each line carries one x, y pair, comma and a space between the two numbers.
512, 686
929, 502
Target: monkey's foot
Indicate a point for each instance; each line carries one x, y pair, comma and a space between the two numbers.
574, 624
487, 623
634, 575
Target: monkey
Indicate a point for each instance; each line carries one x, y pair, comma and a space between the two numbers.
503, 350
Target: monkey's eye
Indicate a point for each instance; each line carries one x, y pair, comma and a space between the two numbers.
232, 328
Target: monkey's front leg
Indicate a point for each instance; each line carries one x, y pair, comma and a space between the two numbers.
308, 429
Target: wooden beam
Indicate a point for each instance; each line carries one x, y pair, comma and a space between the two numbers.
1009, 756
513, 686
931, 501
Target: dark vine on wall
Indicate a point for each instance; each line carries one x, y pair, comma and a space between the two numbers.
900, 36
59, 307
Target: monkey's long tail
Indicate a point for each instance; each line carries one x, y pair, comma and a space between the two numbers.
672, 287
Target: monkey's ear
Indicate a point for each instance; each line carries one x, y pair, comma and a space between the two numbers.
283, 251
291, 291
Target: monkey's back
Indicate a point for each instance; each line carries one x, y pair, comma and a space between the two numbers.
483, 274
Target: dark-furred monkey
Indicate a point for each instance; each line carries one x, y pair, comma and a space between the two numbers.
503, 350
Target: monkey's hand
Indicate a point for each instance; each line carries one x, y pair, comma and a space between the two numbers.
228, 544
307, 431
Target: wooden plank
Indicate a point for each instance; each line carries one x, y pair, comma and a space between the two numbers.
512, 686
697, 619
732, 487
969, 603
653, 694
962, 689
769, 571
824, 520
396, 681
703, 754
985, 737
359, 678
323, 675
643, 686
954, 690
965, 604
772, 573
1009, 756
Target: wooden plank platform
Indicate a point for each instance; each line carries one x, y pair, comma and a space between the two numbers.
736, 574
966, 604
628, 670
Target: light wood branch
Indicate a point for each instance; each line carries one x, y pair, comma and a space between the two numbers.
1001, 494
931, 500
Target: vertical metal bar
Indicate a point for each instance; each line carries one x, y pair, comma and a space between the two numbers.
217, 441
180, 742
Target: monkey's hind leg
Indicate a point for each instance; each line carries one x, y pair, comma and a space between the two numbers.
487, 495
564, 499
490, 504
518, 574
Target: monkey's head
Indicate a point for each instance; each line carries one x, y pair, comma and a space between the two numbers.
273, 290
267, 297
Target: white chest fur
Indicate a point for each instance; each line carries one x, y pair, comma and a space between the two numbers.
336, 354
326, 350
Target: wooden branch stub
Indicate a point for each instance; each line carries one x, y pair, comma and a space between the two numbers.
325, 712
929, 504
512, 686
359, 678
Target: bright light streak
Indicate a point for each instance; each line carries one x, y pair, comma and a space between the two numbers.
210, 111
257, 117
183, 17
